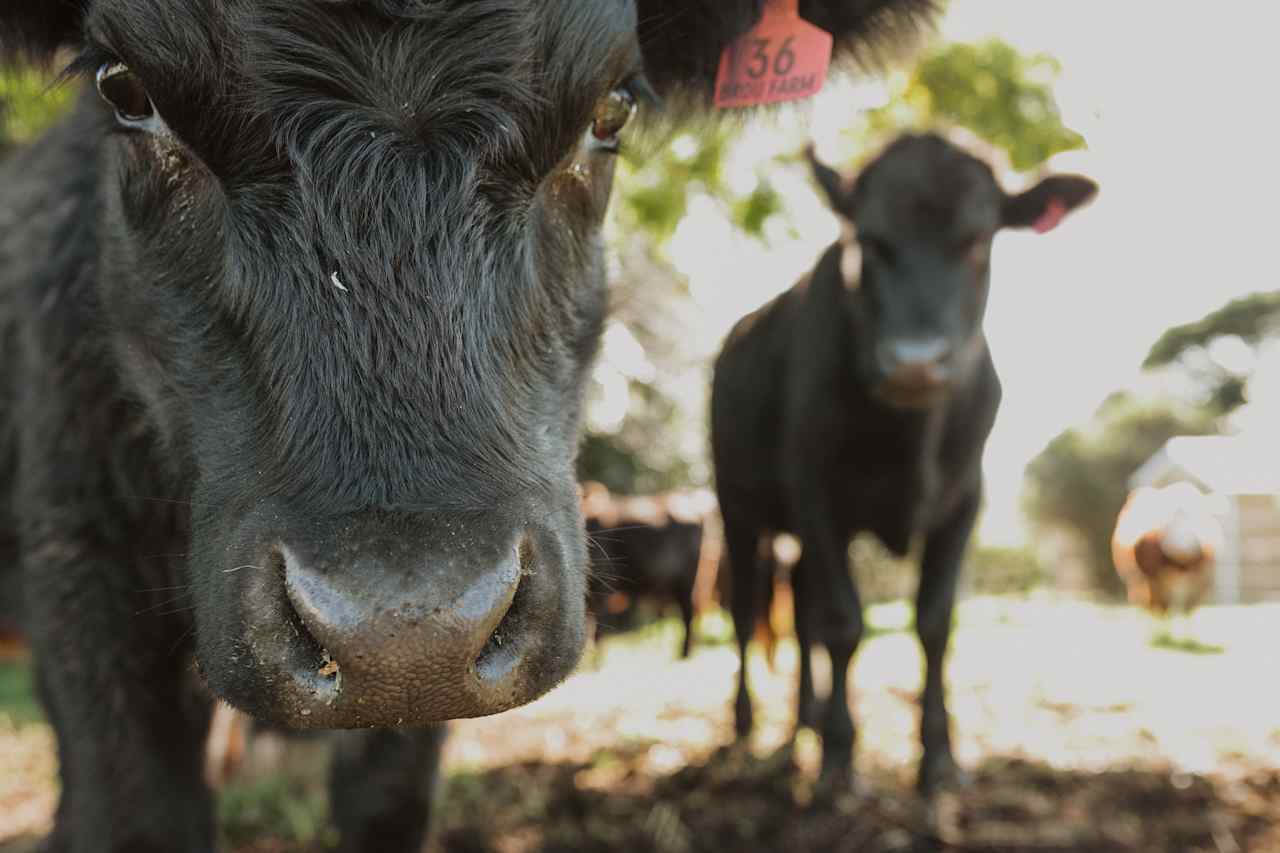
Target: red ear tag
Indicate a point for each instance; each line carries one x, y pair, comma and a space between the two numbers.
784, 58
1051, 218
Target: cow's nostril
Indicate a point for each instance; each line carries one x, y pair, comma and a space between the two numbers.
313, 666
372, 633
502, 651
923, 356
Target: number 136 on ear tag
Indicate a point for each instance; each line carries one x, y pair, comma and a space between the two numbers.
784, 58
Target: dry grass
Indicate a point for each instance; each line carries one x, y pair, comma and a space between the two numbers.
1078, 685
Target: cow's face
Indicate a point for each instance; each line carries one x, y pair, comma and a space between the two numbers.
917, 261
350, 260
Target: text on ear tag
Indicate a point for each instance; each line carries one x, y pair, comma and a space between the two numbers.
784, 58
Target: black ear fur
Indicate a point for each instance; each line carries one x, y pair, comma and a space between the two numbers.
832, 182
34, 29
862, 27
1026, 208
683, 40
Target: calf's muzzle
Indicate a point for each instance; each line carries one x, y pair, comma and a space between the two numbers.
914, 372
401, 621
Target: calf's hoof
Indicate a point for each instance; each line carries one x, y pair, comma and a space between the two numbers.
941, 774
838, 785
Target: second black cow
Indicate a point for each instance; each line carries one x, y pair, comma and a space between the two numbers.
861, 400
643, 548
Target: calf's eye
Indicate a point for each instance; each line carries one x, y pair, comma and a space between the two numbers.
122, 89
613, 112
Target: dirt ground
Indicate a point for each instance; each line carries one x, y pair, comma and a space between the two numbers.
1081, 735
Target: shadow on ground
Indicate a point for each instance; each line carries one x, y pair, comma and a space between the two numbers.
737, 802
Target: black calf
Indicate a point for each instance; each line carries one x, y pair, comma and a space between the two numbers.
861, 399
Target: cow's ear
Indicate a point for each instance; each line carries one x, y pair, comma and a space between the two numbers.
683, 40
1049, 202
34, 29
832, 182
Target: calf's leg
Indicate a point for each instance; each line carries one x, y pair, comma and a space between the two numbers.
838, 734
124, 703
684, 597
382, 788
740, 539
935, 602
836, 611
807, 709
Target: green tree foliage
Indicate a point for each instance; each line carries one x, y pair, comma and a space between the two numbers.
1081, 479
662, 172
1251, 318
1189, 348
991, 89
29, 102
611, 459
658, 186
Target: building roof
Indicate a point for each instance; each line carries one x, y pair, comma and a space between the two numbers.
1227, 464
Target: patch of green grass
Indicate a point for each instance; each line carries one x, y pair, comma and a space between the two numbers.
17, 693
276, 807
1188, 645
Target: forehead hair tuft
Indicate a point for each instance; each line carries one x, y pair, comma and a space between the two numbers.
924, 182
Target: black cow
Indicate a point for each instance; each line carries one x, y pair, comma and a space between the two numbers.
297, 308
861, 399
644, 548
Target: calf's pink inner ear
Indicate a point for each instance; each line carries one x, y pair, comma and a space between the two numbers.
1054, 212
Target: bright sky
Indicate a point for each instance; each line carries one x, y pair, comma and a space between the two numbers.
1174, 105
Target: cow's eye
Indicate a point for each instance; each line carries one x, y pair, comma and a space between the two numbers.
122, 89
613, 113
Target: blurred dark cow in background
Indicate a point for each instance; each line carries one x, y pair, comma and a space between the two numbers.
644, 548
1165, 547
861, 399
297, 310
